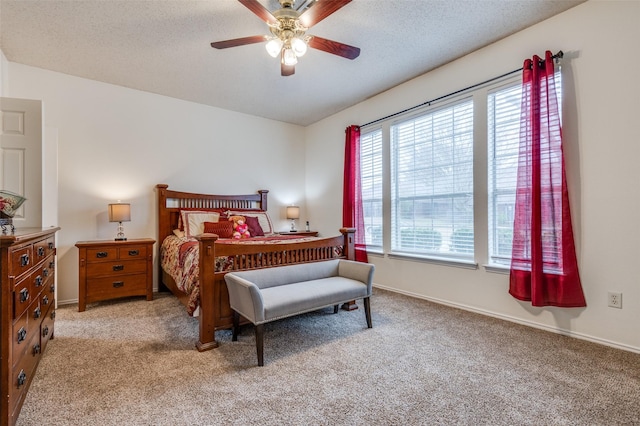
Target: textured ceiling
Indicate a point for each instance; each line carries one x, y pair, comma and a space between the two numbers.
163, 47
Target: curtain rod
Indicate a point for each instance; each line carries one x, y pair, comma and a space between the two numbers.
558, 55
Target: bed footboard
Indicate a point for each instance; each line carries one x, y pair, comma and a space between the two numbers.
215, 312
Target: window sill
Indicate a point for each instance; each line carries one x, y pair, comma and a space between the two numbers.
375, 252
497, 269
458, 263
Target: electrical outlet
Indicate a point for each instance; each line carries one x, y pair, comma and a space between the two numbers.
615, 300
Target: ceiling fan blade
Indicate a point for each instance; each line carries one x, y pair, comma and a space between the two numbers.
330, 46
238, 42
320, 10
260, 11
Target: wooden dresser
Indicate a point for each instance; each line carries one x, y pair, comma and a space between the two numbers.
27, 311
113, 269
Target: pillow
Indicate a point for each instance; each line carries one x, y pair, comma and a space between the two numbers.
263, 218
196, 210
194, 220
223, 229
254, 226
178, 233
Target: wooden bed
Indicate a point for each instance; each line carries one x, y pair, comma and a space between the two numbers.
215, 313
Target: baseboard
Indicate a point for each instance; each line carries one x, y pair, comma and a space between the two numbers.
520, 321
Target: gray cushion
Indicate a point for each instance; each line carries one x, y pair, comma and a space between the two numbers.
294, 299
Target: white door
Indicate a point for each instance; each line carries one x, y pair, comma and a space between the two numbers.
21, 157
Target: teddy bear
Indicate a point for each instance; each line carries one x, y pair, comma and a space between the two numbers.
240, 227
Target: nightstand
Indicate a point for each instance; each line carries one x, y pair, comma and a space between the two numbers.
300, 233
113, 269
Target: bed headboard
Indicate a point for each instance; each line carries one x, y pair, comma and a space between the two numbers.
170, 202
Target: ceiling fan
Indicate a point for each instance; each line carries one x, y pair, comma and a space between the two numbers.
288, 27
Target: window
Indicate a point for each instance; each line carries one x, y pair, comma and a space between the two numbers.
427, 182
503, 123
371, 177
432, 183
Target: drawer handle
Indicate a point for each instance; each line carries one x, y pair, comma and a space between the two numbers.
118, 284
37, 313
45, 300
40, 251
24, 260
118, 267
51, 246
24, 295
45, 272
36, 349
134, 252
102, 254
52, 264
22, 378
22, 334
52, 289
45, 331
53, 315
38, 281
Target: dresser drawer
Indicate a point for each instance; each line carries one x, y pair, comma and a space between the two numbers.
47, 297
115, 268
20, 336
22, 296
43, 248
113, 287
21, 260
22, 373
46, 327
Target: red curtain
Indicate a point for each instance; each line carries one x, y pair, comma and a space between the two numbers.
352, 213
544, 268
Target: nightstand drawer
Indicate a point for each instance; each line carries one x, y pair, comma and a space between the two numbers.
115, 268
102, 254
113, 287
132, 252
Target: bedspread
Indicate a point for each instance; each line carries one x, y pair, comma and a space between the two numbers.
180, 258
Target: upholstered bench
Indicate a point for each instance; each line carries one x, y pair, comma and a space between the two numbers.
265, 295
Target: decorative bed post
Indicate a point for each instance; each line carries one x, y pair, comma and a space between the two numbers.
207, 317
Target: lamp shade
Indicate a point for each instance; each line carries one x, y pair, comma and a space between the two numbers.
293, 212
119, 212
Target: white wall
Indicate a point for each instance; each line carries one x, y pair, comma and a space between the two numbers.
117, 143
3, 73
602, 148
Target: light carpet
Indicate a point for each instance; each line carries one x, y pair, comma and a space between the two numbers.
133, 362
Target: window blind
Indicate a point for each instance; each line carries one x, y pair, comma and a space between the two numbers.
503, 133
432, 182
371, 178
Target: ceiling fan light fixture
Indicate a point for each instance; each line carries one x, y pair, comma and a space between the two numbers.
299, 46
289, 57
274, 46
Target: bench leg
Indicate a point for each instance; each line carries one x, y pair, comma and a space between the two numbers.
367, 311
335, 308
236, 326
260, 344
